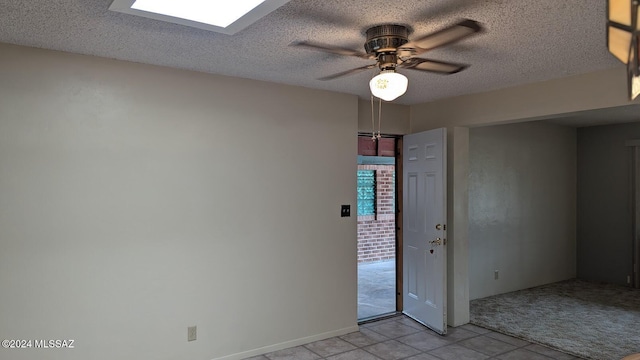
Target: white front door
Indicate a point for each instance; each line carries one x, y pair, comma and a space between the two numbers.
424, 248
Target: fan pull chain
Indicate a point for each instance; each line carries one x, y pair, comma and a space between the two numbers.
375, 136
379, 116
373, 122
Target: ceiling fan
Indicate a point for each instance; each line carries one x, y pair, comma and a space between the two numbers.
389, 46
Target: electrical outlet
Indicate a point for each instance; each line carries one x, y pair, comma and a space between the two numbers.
191, 333
496, 275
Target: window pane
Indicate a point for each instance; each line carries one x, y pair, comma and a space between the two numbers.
366, 192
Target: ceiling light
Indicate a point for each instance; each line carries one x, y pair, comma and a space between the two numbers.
388, 85
228, 17
622, 39
208, 12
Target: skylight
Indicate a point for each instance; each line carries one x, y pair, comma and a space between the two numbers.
226, 17
208, 12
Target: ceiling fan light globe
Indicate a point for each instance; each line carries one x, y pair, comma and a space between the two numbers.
388, 85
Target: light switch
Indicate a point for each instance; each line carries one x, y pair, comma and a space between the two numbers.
345, 211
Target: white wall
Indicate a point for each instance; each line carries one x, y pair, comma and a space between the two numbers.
392, 119
457, 226
136, 201
522, 206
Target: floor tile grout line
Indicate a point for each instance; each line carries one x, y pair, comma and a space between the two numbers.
395, 337
491, 355
305, 346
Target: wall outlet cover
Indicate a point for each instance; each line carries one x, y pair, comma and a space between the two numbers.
192, 333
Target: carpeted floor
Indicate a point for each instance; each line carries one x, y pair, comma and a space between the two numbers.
589, 320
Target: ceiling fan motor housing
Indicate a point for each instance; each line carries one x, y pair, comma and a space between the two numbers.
383, 38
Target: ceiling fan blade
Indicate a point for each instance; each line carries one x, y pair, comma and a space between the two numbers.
331, 49
348, 72
443, 37
440, 67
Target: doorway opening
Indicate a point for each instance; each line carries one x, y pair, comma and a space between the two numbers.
377, 225
634, 280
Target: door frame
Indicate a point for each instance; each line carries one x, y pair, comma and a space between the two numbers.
635, 210
457, 223
398, 221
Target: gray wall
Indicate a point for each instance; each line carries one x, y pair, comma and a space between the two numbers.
522, 212
136, 201
604, 202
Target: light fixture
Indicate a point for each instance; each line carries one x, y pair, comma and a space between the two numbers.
388, 85
622, 39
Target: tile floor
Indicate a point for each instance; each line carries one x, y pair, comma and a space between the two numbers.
402, 338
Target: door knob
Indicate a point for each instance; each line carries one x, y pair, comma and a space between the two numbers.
437, 241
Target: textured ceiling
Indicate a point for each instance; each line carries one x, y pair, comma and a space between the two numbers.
525, 41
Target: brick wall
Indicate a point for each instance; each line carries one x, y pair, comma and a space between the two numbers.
377, 233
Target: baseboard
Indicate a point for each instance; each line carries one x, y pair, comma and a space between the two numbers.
288, 344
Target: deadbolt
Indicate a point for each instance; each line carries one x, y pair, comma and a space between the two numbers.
441, 227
